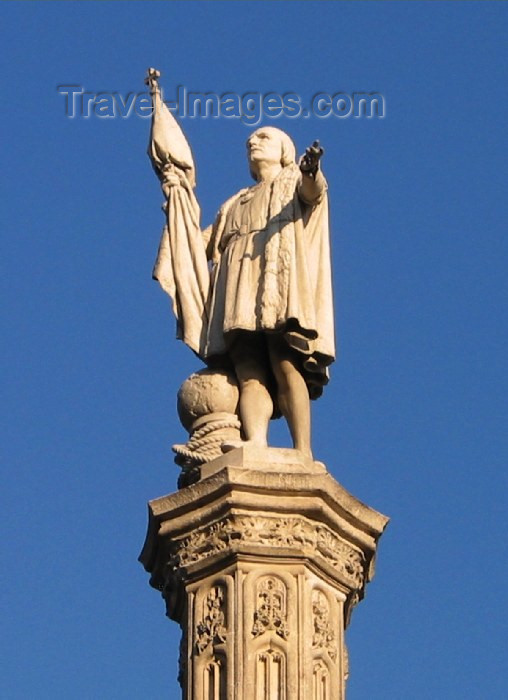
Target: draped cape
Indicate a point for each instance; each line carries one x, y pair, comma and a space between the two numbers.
290, 287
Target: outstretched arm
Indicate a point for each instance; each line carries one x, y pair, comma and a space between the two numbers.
313, 183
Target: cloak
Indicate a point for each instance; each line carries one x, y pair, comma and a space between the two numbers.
274, 275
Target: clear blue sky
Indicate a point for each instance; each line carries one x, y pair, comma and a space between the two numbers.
414, 420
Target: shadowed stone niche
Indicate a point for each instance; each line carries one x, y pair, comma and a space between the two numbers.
261, 563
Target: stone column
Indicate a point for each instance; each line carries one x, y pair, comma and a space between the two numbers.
261, 563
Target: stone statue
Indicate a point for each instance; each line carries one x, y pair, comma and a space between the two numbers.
253, 291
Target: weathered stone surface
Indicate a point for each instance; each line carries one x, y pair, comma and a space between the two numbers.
207, 392
261, 563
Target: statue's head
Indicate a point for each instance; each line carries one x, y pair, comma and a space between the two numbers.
271, 145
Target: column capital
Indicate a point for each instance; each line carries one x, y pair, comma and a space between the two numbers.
254, 503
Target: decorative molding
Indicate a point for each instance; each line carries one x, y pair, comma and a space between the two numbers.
271, 607
354, 599
284, 532
270, 675
182, 660
213, 686
320, 681
324, 637
345, 662
212, 628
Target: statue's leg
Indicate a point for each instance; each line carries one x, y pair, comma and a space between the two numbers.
255, 406
292, 393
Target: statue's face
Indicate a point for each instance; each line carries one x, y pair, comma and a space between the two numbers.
265, 144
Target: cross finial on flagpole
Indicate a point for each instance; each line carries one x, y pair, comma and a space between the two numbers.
152, 77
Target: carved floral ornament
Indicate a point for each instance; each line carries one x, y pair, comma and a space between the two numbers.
284, 532
324, 637
212, 628
271, 607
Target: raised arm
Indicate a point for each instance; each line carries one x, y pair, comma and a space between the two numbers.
168, 148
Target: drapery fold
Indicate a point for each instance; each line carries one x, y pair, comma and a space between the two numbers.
181, 267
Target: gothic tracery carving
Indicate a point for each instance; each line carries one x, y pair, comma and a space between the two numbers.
212, 629
271, 606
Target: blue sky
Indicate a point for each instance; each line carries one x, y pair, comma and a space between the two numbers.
414, 419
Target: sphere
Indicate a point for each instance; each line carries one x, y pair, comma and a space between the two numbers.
205, 392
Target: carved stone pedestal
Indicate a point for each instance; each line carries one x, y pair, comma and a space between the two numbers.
261, 563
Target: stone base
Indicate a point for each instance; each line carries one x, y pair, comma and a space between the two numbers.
268, 459
261, 563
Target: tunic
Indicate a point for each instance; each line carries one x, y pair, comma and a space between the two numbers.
271, 273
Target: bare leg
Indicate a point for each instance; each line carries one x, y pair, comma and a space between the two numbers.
293, 396
256, 406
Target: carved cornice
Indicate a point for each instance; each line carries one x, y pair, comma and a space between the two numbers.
278, 533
